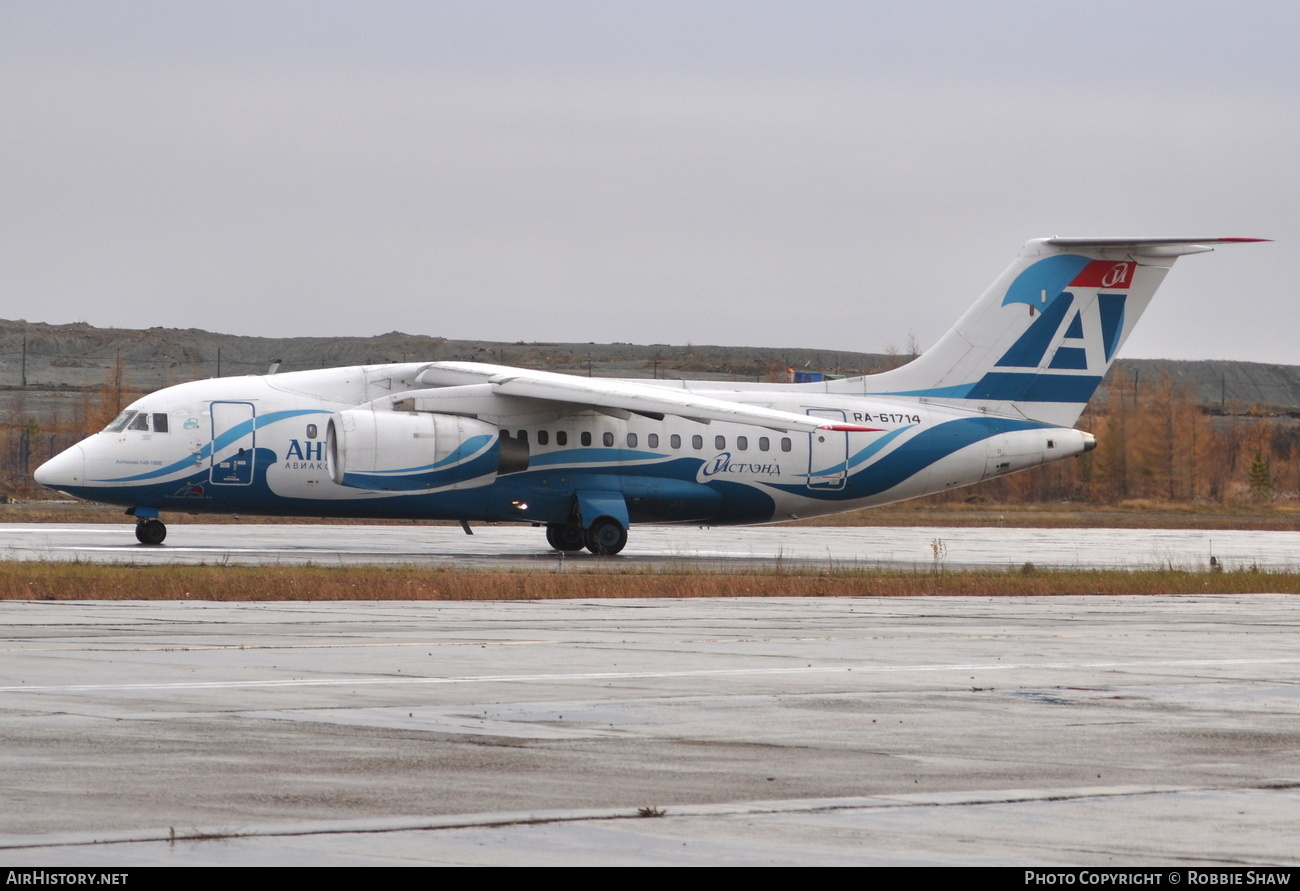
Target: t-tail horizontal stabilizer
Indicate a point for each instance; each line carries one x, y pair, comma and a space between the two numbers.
1039, 341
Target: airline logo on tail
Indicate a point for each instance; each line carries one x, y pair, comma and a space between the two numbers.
1069, 295
1106, 274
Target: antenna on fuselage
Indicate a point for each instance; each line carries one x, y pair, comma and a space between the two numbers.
275, 366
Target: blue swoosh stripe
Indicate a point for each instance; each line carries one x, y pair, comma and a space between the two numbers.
915, 455
592, 456
864, 454
1007, 386
464, 450
243, 428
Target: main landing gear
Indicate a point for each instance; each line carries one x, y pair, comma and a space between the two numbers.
604, 538
150, 531
565, 536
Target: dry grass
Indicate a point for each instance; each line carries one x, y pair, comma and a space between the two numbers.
1280, 517
87, 581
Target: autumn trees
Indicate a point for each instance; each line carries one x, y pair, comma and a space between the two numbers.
1156, 443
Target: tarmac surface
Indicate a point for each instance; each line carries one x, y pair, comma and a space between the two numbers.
1047, 731
523, 547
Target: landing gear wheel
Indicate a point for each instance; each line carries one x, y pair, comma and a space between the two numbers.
606, 537
150, 532
565, 536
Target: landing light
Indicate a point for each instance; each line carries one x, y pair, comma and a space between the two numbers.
519, 505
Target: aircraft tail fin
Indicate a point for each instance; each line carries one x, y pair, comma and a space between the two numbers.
1041, 338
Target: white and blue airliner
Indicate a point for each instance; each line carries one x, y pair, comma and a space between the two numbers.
587, 458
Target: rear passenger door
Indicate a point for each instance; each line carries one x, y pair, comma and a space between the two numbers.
828, 452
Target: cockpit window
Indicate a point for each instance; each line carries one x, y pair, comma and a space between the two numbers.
120, 422
138, 420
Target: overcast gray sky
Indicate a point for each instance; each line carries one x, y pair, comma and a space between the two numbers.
812, 174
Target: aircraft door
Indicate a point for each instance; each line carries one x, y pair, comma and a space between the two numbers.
828, 453
234, 439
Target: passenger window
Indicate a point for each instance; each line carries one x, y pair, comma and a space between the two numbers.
652, 440
561, 437
607, 438
586, 437
543, 437
675, 441
631, 440
160, 422
139, 422
764, 444
697, 441
523, 436
742, 443
719, 442
785, 443
311, 431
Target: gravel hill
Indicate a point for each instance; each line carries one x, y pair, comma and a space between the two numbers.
43, 367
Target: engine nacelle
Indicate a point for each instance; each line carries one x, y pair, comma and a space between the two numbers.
417, 451
1022, 449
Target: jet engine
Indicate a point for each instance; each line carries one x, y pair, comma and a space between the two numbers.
417, 451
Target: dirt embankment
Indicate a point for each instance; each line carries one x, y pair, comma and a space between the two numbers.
45, 363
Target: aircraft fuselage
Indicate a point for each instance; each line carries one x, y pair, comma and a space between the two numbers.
259, 445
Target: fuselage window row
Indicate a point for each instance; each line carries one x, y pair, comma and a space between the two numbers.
156, 422
652, 440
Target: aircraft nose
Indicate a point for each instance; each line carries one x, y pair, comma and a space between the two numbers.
68, 468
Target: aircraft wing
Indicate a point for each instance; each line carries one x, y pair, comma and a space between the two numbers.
609, 395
